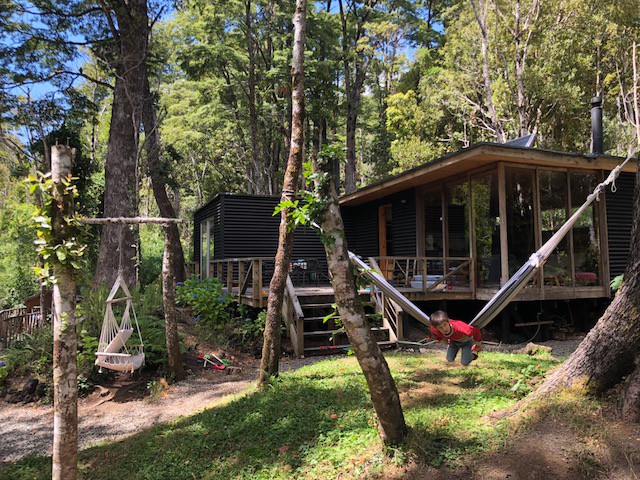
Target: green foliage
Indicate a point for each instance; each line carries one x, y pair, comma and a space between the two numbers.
152, 249
87, 348
66, 247
31, 356
211, 306
254, 328
153, 333
17, 254
616, 283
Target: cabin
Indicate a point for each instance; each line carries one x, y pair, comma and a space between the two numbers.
449, 233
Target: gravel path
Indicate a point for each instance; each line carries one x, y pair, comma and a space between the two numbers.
28, 429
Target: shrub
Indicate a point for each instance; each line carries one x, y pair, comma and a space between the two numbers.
211, 306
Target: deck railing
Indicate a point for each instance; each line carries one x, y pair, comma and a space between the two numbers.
15, 322
242, 275
428, 274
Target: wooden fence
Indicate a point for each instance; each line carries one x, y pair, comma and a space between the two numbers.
15, 322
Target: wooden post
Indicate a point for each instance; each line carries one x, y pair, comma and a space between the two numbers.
65, 342
176, 367
257, 282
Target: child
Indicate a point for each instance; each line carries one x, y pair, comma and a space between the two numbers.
459, 335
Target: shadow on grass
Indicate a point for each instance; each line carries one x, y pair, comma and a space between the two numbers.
233, 441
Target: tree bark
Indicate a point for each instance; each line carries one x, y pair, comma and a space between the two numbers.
158, 184
65, 342
176, 367
271, 346
480, 12
630, 405
121, 186
354, 76
610, 350
382, 388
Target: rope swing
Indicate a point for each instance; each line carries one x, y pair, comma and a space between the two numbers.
113, 352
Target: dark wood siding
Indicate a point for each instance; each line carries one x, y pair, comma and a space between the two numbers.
246, 227
361, 225
619, 219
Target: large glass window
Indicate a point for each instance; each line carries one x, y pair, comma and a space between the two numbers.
521, 243
433, 245
457, 210
486, 217
553, 211
586, 252
206, 247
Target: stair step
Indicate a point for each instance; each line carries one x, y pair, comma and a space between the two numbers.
316, 305
334, 317
319, 333
328, 348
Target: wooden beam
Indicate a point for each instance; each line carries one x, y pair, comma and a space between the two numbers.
129, 221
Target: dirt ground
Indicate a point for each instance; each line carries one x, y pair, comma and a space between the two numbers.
121, 407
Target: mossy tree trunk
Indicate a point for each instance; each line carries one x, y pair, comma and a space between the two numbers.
65, 341
382, 387
271, 347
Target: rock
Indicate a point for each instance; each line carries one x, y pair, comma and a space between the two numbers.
13, 398
40, 390
30, 387
533, 349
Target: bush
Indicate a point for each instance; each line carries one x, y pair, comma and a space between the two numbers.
31, 356
211, 306
219, 318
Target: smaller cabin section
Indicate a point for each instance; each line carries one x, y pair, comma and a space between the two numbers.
236, 239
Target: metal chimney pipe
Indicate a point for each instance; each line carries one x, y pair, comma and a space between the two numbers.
597, 141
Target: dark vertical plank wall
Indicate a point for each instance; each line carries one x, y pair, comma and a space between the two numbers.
361, 225
619, 220
246, 227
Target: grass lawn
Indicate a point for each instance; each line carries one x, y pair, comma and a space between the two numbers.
318, 423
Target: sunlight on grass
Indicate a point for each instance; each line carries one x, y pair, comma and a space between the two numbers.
318, 422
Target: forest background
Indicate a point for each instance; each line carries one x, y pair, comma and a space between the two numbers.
389, 85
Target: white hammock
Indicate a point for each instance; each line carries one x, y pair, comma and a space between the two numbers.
113, 352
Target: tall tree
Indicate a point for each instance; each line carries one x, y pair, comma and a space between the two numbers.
272, 333
129, 22
356, 56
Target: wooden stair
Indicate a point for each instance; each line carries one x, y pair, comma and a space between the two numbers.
321, 329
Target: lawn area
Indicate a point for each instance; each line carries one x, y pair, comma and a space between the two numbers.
318, 423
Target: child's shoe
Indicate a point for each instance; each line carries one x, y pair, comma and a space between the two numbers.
474, 354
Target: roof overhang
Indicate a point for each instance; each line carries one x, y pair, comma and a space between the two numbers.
478, 156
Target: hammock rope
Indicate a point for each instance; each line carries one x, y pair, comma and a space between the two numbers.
517, 281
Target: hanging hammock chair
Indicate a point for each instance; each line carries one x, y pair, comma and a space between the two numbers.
113, 352
515, 284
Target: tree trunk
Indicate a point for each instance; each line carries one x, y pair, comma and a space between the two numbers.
480, 12
630, 404
271, 347
382, 388
610, 349
158, 183
176, 366
121, 188
65, 342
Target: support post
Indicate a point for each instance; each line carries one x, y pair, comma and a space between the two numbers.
65, 341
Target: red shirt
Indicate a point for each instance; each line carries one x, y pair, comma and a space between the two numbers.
462, 332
